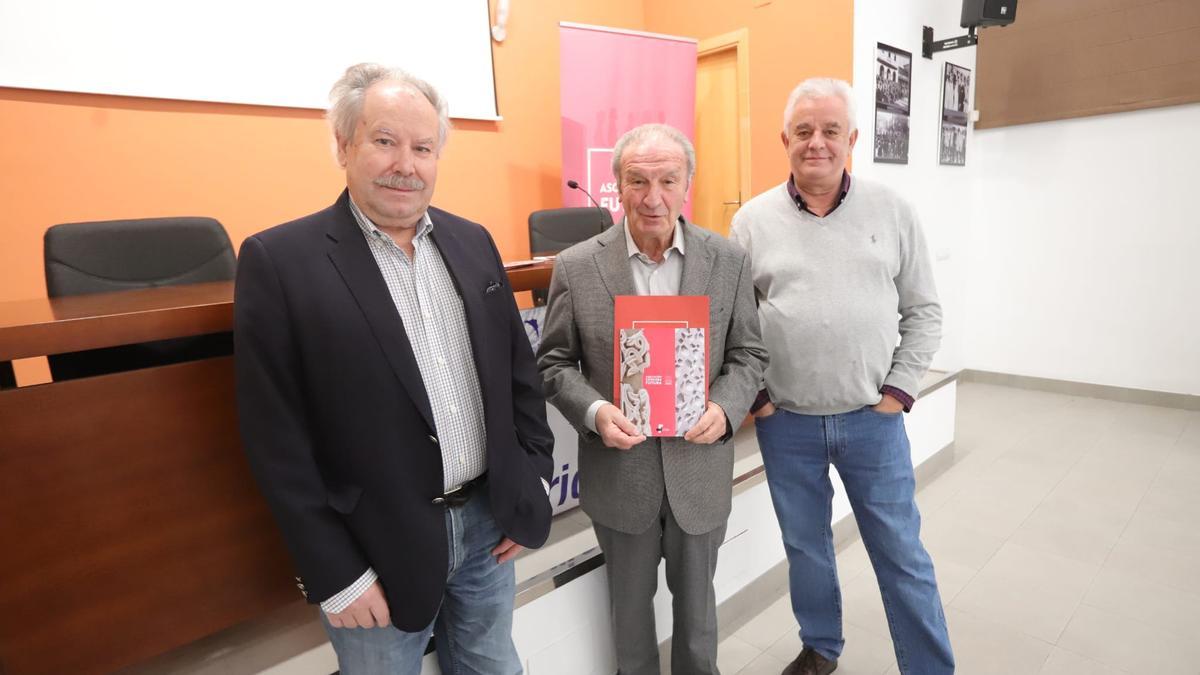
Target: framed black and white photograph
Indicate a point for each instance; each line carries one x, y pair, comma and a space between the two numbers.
891, 137
953, 151
956, 106
893, 94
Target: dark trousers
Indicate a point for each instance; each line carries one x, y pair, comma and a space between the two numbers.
631, 561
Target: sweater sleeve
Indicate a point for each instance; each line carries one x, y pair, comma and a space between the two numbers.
920, 311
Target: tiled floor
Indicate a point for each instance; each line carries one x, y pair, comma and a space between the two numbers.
1066, 539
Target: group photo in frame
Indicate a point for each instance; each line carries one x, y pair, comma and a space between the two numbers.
956, 106
893, 96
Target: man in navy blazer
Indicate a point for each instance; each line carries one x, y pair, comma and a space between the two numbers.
388, 399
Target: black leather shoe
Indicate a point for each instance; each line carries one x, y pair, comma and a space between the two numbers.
809, 662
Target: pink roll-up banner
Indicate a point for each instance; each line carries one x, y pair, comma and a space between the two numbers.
612, 81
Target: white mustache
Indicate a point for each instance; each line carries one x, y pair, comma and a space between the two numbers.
398, 182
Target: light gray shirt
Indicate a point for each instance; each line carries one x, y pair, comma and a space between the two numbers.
436, 325
834, 294
649, 278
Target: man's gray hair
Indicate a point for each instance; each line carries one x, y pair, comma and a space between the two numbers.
638, 135
821, 87
346, 98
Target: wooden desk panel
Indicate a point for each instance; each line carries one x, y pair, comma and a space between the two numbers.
44, 326
131, 522
531, 277
55, 325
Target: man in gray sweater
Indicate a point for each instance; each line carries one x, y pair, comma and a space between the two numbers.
840, 268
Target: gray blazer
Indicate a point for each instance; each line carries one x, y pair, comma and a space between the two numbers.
623, 490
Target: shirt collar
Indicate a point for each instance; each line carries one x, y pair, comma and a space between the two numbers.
369, 228
803, 205
676, 240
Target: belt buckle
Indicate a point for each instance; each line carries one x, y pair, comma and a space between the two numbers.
459, 495
456, 497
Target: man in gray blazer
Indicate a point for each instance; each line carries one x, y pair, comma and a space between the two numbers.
656, 498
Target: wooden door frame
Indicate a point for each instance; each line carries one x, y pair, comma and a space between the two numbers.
739, 41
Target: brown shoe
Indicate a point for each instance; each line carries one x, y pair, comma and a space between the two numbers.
810, 663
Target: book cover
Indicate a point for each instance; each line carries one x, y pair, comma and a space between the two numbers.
660, 361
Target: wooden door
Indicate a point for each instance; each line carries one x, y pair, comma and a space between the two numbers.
716, 191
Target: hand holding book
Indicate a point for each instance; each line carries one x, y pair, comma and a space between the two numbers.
615, 429
710, 428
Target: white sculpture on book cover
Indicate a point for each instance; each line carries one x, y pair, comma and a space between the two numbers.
689, 378
635, 359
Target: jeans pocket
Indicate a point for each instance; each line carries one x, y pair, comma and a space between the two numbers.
765, 418
872, 409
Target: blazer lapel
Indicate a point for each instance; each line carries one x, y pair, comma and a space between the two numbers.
613, 262
697, 261
358, 269
460, 264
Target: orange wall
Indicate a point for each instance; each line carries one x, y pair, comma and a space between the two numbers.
68, 157
789, 41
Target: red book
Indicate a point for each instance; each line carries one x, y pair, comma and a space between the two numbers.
660, 361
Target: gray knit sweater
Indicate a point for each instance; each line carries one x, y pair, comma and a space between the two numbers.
835, 292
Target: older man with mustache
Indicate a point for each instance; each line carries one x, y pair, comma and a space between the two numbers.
388, 399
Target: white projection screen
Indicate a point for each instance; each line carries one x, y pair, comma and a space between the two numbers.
260, 52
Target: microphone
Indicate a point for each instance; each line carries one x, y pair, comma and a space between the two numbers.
605, 214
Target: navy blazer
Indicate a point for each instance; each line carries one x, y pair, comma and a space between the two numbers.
336, 421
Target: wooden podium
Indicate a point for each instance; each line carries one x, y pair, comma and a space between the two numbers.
129, 519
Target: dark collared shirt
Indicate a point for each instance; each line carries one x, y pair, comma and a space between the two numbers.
803, 205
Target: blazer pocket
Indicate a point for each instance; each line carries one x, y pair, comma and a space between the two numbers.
495, 298
343, 499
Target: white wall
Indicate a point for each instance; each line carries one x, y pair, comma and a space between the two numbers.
1063, 249
941, 194
1084, 250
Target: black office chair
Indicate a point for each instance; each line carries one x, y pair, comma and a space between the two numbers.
552, 230
116, 255
8, 379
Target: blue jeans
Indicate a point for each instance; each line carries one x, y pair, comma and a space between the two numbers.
473, 627
871, 453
